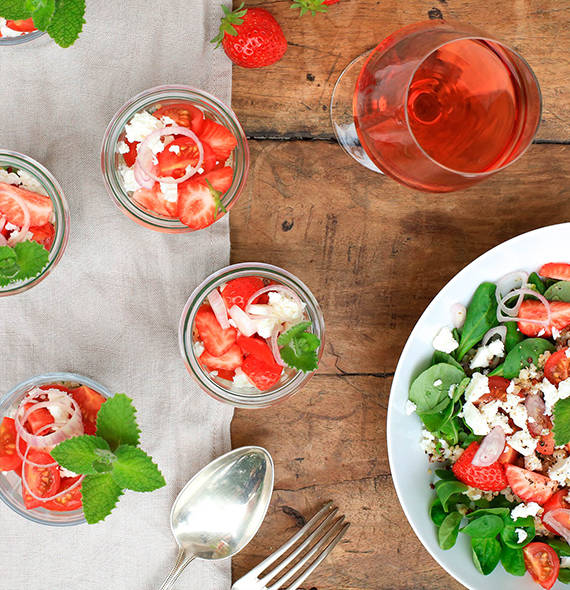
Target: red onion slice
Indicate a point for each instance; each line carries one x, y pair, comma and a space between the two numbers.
20, 235
243, 322
279, 289
143, 164
554, 518
275, 348
535, 408
510, 314
501, 330
490, 448
458, 315
219, 308
509, 282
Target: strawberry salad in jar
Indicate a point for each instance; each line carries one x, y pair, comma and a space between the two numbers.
495, 406
15, 28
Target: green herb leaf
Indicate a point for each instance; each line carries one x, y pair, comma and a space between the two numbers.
486, 554
485, 526
522, 355
31, 258
559, 292
445, 489
561, 427
299, 347
443, 357
79, 453
100, 495
135, 470
9, 267
481, 317
430, 390
116, 422
43, 11
436, 512
67, 22
564, 575
449, 529
446, 474
14, 10
513, 561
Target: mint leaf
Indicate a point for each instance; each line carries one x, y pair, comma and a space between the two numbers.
100, 495
8, 263
135, 470
116, 422
30, 258
14, 10
67, 22
79, 453
299, 347
42, 12
561, 426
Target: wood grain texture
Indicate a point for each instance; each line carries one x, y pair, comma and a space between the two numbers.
291, 97
374, 253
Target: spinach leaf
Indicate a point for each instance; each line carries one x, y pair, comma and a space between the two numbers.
432, 398
522, 355
484, 527
481, 317
513, 336
564, 575
509, 535
434, 422
501, 512
436, 512
513, 561
460, 389
450, 431
467, 438
445, 489
443, 357
449, 529
536, 281
559, 292
486, 554
446, 474
561, 547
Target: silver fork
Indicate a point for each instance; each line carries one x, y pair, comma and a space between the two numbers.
323, 530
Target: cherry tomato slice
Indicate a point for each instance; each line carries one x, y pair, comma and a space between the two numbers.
38, 419
90, 403
556, 501
183, 114
42, 481
132, 154
24, 26
66, 502
9, 458
542, 563
557, 367
43, 234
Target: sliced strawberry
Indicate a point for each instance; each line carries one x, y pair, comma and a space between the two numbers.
183, 114
263, 375
238, 291
555, 270
225, 374
509, 455
557, 500
44, 235
535, 310
216, 340
153, 200
132, 154
497, 390
39, 206
230, 360
220, 139
198, 205
528, 485
220, 178
545, 445
491, 478
257, 348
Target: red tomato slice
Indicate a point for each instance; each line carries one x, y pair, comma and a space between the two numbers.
9, 458
44, 235
557, 367
39, 206
497, 390
66, 502
24, 26
183, 114
556, 501
542, 563
132, 154
38, 419
42, 481
90, 403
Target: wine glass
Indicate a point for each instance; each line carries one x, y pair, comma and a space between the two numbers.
438, 106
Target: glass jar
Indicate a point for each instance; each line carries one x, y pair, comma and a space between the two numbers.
53, 190
154, 98
10, 482
222, 390
18, 39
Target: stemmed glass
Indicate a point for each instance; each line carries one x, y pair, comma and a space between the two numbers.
438, 106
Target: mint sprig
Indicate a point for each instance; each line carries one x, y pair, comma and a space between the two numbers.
111, 460
25, 260
299, 347
561, 427
62, 20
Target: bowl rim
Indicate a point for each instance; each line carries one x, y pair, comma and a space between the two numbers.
395, 469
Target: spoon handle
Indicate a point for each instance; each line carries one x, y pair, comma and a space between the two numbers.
182, 560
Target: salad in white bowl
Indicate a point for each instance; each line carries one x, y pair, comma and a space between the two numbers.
488, 403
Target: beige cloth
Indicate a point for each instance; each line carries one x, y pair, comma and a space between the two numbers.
110, 310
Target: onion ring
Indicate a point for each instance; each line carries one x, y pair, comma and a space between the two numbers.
243, 321
275, 348
490, 449
501, 330
219, 308
510, 314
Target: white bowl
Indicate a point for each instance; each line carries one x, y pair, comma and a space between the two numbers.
408, 463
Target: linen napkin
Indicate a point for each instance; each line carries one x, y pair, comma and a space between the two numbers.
110, 309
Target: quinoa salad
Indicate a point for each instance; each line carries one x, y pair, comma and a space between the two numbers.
495, 408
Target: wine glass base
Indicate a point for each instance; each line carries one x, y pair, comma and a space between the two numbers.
342, 118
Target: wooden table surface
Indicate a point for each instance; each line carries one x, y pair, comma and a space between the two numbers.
374, 254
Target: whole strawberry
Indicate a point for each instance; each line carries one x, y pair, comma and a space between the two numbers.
251, 37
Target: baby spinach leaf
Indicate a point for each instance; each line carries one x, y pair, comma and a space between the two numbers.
561, 547
460, 389
509, 535
449, 529
513, 336
484, 527
486, 554
430, 389
564, 575
445, 489
536, 282
433, 422
522, 355
481, 317
436, 512
450, 431
501, 512
513, 561
443, 357
559, 292
446, 474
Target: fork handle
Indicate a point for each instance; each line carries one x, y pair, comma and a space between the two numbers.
182, 560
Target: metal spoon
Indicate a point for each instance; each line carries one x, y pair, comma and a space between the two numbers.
220, 509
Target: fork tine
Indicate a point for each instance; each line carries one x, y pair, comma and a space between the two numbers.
284, 548
316, 534
323, 541
295, 585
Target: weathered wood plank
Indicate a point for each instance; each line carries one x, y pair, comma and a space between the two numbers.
291, 98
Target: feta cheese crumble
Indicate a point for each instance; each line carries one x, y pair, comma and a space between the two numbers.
444, 341
477, 387
241, 380
129, 182
523, 510
169, 191
560, 471
485, 354
521, 535
141, 126
410, 407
